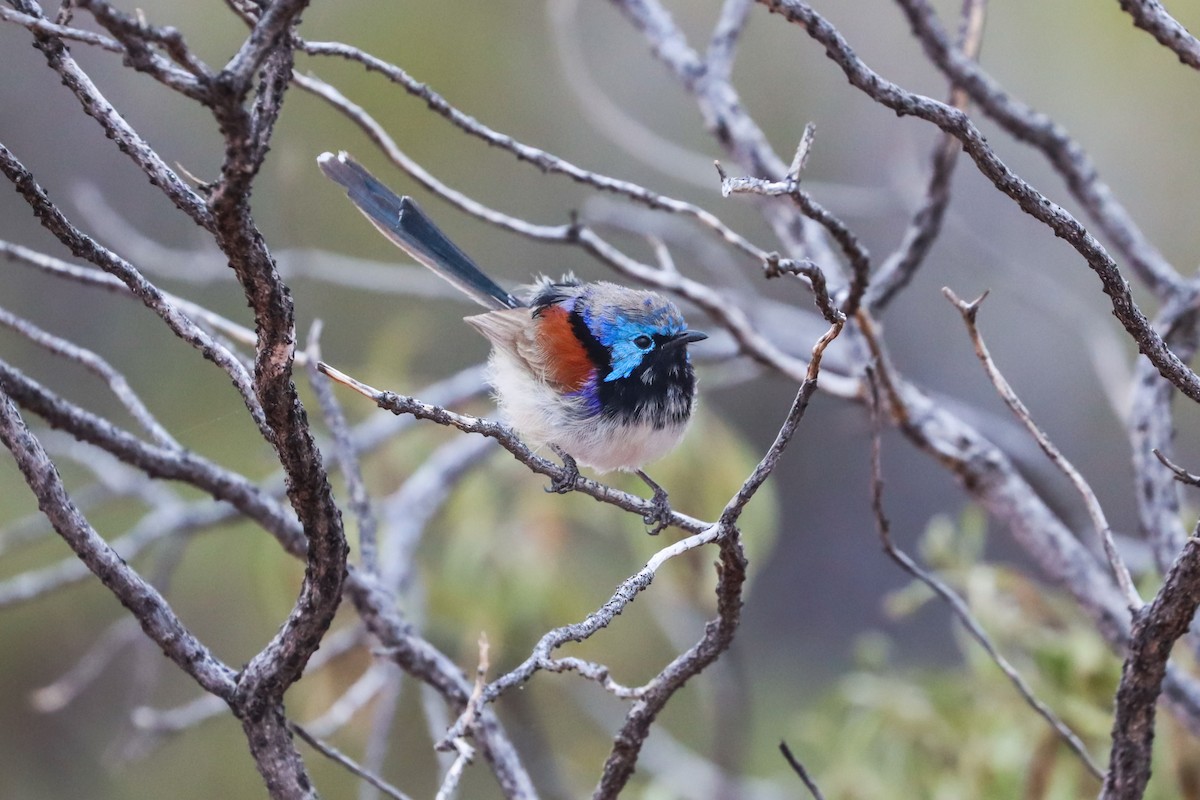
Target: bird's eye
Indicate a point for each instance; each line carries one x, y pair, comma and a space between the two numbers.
643, 341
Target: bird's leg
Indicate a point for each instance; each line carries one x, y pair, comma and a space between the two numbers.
566, 483
660, 517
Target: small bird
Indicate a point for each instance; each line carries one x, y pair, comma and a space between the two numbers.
598, 372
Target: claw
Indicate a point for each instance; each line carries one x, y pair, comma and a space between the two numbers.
659, 518
565, 483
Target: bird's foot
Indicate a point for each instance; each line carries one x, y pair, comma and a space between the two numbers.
565, 482
659, 517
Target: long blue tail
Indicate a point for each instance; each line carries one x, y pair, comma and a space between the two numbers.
402, 221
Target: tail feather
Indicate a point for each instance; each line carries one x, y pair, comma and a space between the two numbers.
403, 222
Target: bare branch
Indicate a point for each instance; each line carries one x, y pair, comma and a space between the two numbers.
335, 418
57, 695
1065, 155
98, 366
173, 520
271, 29
408, 511
1156, 627
718, 61
152, 612
1026, 196
593, 672
38, 24
507, 438
335, 755
88, 249
1005, 390
961, 611
856, 254
115, 127
355, 698
138, 42
1152, 431
1152, 17
800, 771
190, 714
900, 266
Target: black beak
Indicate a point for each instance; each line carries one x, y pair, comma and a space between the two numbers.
687, 337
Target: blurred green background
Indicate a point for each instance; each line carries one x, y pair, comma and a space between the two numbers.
871, 688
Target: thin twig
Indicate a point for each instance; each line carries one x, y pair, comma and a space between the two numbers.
343, 451
1028, 198
449, 785
61, 692
354, 699
1151, 428
352, 766
45, 26
184, 717
1010, 398
160, 523
507, 438
800, 771
899, 267
1065, 154
97, 366
954, 601
593, 672
153, 613
1181, 474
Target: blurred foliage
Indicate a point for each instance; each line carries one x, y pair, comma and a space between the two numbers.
886, 730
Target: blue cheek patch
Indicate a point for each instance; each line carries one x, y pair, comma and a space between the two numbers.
618, 336
625, 357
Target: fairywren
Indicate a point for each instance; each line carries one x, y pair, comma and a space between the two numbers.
596, 371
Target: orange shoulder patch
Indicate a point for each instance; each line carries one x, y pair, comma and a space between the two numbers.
566, 363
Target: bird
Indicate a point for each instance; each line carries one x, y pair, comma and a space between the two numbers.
598, 372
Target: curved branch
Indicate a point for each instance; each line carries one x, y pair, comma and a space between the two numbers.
95, 105
1064, 153
1029, 199
88, 249
153, 613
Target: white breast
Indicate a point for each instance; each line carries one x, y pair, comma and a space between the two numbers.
543, 417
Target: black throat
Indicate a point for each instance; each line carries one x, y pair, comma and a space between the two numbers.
659, 392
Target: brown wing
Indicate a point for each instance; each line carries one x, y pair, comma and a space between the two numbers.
544, 343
